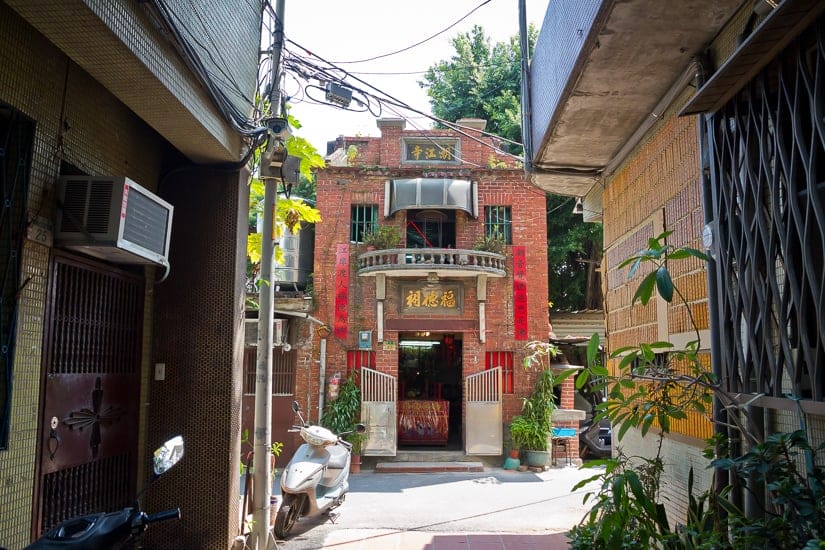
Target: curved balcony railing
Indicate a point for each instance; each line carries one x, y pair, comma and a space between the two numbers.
453, 262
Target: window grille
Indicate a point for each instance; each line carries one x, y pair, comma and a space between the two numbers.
283, 371
356, 359
498, 223
768, 157
503, 359
363, 219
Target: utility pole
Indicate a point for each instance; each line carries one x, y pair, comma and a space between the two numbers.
262, 442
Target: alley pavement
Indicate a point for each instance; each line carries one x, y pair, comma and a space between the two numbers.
492, 510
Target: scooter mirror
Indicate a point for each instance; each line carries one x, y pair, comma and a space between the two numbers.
167, 455
295, 406
360, 428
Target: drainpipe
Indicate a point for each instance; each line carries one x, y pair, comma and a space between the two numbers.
710, 238
322, 360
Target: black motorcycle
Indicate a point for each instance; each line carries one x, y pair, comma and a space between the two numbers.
109, 530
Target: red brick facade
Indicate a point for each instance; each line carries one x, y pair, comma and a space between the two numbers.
499, 182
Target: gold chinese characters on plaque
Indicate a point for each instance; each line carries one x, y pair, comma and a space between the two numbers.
433, 299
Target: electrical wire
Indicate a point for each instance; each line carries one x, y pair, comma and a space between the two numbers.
391, 100
468, 14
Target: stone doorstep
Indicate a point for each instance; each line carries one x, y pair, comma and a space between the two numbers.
424, 467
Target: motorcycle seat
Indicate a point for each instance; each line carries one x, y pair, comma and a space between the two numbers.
337, 457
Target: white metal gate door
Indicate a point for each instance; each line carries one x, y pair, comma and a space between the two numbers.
482, 403
379, 392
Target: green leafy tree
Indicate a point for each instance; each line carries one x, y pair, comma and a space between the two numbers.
484, 81
480, 81
574, 250
290, 212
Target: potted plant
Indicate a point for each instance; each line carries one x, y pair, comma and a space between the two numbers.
383, 237
491, 243
532, 429
341, 415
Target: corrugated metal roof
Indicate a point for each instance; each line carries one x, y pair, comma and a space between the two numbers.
578, 324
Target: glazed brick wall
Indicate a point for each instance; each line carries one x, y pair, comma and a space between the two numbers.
659, 186
339, 187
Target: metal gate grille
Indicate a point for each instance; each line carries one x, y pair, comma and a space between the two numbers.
482, 394
769, 196
90, 404
379, 392
16, 139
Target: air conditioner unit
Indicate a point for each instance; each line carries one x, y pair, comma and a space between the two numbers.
113, 218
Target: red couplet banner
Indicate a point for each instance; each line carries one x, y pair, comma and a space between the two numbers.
341, 290
520, 293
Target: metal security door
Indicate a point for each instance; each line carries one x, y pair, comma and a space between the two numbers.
482, 405
379, 392
91, 390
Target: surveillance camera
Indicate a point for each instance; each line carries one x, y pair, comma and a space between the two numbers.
287, 348
278, 127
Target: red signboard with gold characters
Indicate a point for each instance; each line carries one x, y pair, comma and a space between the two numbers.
341, 290
520, 293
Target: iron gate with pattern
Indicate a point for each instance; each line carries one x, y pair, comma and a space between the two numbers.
91, 391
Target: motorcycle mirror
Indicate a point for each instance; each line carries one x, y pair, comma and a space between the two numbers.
295, 406
360, 428
167, 455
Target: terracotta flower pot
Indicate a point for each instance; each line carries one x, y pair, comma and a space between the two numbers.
355, 464
513, 453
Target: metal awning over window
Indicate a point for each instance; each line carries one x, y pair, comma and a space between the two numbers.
778, 29
435, 193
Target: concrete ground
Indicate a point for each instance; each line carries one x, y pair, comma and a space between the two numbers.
492, 510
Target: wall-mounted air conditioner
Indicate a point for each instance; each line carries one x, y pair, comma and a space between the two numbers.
113, 218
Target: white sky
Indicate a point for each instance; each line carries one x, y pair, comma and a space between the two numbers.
358, 29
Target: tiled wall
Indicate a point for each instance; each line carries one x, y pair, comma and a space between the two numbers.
101, 136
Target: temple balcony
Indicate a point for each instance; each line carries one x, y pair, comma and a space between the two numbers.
422, 262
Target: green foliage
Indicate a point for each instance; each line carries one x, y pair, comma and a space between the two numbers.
289, 213
795, 511
480, 81
573, 283
485, 82
490, 243
383, 237
344, 412
644, 392
530, 429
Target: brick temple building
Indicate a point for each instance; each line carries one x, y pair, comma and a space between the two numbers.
436, 322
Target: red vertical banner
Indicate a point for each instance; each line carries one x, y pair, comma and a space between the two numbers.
520, 293
341, 291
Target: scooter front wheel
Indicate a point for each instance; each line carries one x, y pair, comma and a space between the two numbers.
288, 514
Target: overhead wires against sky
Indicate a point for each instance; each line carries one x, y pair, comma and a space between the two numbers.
337, 74
308, 66
439, 33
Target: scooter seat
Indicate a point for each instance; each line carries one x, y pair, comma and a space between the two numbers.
337, 457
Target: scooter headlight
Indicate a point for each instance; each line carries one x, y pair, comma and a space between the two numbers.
313, 437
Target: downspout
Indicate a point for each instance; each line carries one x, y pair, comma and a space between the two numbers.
711, 244
526, 107
322, 360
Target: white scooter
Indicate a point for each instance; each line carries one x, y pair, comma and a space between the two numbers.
316, 480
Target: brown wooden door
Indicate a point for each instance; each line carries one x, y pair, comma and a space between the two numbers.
91, 390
